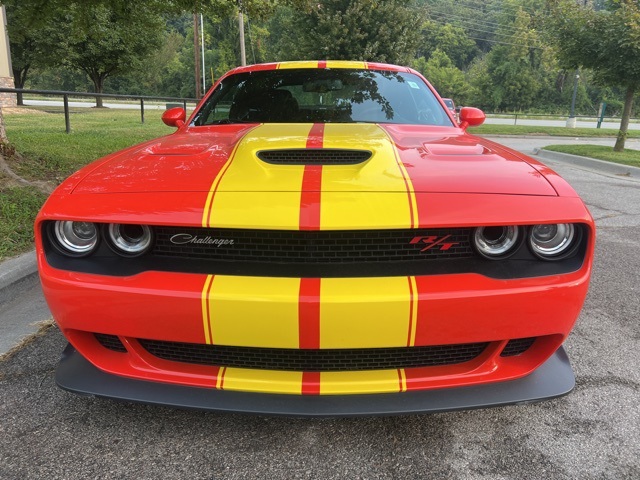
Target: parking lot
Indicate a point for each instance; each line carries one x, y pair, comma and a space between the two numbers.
594, 432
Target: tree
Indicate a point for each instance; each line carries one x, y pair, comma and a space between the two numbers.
448, 80
606, 42
116, 41
374, 30
30, 43
451, 40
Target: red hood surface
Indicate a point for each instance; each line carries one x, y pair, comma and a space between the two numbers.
436, 160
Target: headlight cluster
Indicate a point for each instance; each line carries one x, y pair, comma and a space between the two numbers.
547, 241
78, 239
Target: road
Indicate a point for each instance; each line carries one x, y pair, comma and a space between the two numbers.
46, 433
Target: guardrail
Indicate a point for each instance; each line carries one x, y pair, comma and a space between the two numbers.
65, 99
552, 116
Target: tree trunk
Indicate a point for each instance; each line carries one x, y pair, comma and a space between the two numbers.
98, 84
19, 79
624, 123
3, 132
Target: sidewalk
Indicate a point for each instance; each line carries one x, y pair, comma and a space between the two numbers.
22, 305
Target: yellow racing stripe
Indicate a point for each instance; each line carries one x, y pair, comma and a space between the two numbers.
346, 64
205, 309
254, 311
364, 312
263, 381
362, 382
372, 193
411, 194
301, 64
241, 194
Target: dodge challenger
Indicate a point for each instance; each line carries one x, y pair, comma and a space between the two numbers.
317, 238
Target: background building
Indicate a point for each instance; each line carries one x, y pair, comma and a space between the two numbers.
6, 74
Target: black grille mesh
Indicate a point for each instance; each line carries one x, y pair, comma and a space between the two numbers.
325, 360
283, 246
112, 342
314, 156
517, 346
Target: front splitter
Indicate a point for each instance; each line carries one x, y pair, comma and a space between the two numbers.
552, 379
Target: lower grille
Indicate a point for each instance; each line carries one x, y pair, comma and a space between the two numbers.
517, 346
324, 360
112, 342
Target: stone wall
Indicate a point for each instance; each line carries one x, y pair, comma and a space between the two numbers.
7, 99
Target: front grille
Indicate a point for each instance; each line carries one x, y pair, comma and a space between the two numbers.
517, 346
324, 360
314, 156
112, 342
329, 247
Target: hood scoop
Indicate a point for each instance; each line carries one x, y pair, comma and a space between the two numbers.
314, 156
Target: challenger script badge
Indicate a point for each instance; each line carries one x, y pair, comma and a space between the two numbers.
187, 238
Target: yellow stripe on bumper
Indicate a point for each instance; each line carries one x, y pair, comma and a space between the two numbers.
364, 312
254, 311
375, 381
263, 381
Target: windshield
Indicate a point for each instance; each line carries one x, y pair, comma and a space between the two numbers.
322, 96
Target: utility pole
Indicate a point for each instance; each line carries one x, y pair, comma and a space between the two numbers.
243, 55
571, 121
196, 55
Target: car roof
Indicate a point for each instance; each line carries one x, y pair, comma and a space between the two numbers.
322, 64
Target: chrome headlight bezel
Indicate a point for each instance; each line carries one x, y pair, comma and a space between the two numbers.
553, 241
69, 238
129, 240
497, 242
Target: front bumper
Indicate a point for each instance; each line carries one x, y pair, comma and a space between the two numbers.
552, 379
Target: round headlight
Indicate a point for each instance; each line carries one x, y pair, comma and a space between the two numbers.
76, 238
496, 242
130, 240
552, 240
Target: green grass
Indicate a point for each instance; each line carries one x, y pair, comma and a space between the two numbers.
18, 207
627, 157
551, 131
46, 152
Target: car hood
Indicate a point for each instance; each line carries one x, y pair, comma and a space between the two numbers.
403, 158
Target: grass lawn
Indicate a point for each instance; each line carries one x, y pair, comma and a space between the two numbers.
488, 129
47, 153
628, 157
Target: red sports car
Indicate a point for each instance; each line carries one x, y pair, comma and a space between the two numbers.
318, 238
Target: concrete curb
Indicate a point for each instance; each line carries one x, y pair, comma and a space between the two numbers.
17, 274
613, 169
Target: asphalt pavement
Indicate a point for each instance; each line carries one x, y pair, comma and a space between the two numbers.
594, 432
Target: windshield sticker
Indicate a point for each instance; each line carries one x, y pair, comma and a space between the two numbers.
414, 85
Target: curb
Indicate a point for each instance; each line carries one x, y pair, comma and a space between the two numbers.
16, 274
614, 169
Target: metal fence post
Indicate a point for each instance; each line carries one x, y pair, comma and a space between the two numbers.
67, 120
142, 109
515, 121
185, 105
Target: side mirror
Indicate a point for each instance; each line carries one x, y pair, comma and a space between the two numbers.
174, 117
471, 117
